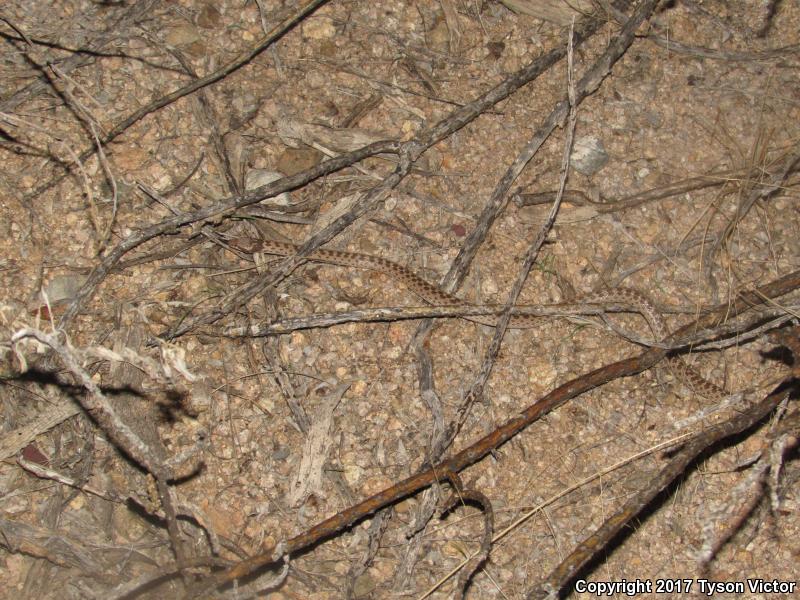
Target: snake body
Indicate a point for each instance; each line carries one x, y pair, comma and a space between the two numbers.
434, 295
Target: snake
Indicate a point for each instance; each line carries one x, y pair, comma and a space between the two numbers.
436, 296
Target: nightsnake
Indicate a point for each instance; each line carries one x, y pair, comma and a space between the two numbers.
435, 296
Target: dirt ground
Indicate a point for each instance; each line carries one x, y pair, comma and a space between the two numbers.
132, 304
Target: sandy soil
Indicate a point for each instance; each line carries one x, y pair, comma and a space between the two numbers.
298, 427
